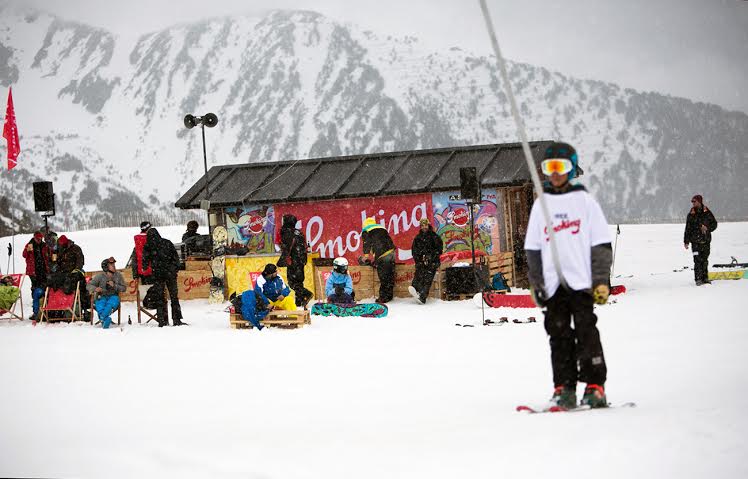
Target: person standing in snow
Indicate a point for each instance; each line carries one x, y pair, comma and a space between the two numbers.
38, 266
427, 249
379, 251
583, 244
161, 255
700, 223
293, 258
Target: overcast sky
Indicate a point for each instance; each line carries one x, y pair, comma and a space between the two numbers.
696, 49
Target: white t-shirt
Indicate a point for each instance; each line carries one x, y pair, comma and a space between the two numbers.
579, 224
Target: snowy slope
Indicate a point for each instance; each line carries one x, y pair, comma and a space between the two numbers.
410, 395
297, 84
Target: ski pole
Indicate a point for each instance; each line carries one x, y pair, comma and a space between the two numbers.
615, 250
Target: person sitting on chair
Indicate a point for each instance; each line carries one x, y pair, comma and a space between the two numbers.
106, 286
70, 261
339, 286
9, 293
273, 289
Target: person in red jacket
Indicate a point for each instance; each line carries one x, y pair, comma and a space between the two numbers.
38, 265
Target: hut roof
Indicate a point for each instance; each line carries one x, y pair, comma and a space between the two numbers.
377, 174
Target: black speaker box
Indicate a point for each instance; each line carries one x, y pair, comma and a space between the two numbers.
469, 186
463, 281
44, 197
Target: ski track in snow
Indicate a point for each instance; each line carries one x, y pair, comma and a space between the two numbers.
410, 395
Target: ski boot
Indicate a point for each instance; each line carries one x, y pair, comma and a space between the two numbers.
594, 396
564, 398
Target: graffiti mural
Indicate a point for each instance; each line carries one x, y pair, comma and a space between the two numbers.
252, 227
452, 222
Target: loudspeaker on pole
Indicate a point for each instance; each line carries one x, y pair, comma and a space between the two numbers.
44, 197
469, 185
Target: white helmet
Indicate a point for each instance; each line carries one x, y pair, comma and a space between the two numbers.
340, 265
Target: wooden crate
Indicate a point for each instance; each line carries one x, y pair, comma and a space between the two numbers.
280, 318
197, 264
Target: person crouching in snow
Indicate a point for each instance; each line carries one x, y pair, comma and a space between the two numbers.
106, 287
254, 308
582, 241
339, 286
273, 289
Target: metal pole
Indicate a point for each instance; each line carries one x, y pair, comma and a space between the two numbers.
525, 145
207, 179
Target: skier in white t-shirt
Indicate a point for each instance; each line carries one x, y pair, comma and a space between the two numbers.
583, 244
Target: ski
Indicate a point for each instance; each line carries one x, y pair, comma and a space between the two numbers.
555, 409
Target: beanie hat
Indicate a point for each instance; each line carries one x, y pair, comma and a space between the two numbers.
559, 150
38, 235
63, 241
145, 225
270, 268
370, 224
424, 222
698, 198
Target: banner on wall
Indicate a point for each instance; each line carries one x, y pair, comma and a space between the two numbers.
333, 228
252, 227
452, 222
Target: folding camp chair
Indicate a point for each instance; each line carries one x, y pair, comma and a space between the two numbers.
93, 307
57, 300
139, 295
11, 313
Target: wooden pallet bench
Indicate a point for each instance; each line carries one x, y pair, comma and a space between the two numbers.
290, 319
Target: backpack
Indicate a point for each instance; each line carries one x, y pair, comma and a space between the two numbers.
498, 282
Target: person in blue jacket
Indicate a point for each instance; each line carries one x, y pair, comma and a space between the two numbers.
339, 286
274, 290
254, 308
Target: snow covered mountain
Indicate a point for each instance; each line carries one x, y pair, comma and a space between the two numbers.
296, 84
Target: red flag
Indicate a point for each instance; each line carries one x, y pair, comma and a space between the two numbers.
10, 133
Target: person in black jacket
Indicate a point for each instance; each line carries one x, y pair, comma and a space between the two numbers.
700, 223
380, 252
427, 249
162, 256
293, 258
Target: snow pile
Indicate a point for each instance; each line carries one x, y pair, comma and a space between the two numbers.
410, 395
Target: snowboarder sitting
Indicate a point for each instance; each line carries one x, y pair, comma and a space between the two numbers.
339, 286
584, 251
106, 286
8, 293
273, 289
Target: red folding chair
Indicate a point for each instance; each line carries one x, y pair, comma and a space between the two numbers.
11, 313
57, 300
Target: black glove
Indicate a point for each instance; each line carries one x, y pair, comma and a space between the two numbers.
539, 296
339, 290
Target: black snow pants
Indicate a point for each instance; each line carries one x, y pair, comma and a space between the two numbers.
700, 262
571, 346
295, 274
386, 274
169, 284
423, 278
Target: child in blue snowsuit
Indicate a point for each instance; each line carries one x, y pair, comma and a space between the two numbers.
339, 286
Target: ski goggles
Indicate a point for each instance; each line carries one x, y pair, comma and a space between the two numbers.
557, 165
